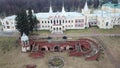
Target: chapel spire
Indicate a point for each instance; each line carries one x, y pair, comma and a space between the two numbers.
86, 6
63, 9
50, 9
86, 10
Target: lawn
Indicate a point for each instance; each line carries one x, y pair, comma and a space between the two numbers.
7, 43
91, 30
16, 59
12, 57
41, 32
94, 30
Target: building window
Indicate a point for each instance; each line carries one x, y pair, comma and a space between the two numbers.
69, 21
60, 22
51, 21
82, 20
54, 21
53, 28
59, 28
42, 21
69, 25
8, 27
76, 21
106, 23
57, 21
48, 22
63, 21
95, 23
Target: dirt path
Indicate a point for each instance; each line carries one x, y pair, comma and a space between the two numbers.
107, 51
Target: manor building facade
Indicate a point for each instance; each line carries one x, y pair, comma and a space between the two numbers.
57, 22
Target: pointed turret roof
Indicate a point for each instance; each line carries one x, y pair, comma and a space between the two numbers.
86, 6
63, 9
50, 10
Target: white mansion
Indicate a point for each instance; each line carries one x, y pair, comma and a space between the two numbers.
104, 18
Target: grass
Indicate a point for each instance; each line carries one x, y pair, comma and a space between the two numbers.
91, 30
41, 32
116, 29
95, 30
16, 59
7, 43
77, 31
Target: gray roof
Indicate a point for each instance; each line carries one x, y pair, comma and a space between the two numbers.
101, 13
66, 14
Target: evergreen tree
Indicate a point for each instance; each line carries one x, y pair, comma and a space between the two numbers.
22, 24
35, 23
26, 22
32, 20
96, 3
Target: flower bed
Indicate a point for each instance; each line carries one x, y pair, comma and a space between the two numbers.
56, 62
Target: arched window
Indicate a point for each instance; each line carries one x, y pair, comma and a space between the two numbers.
53, 28
48, 22
66, 21
106, 23
60, 22
54, 21
69, 21
63, 21
43, 49
51, 21
42, 26
59, 28
57, 21
8, 27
